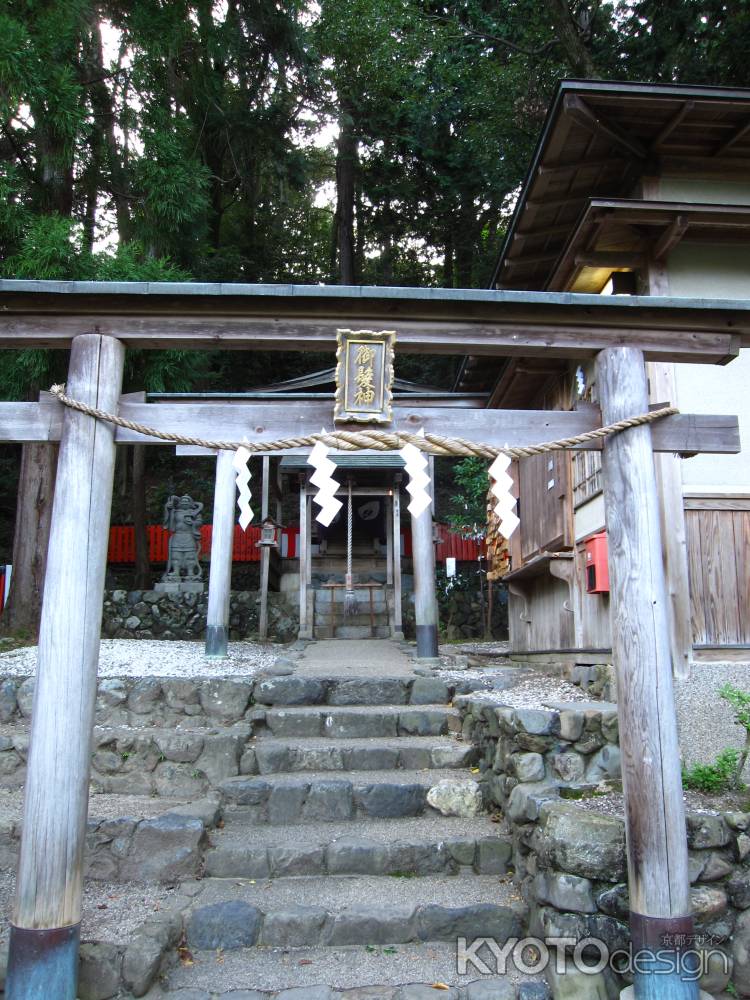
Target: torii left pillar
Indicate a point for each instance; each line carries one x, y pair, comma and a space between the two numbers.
220, 568
45, 929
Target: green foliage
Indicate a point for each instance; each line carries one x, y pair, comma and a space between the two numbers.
713, 778
740, 702
49, 249
726, 773
467, 513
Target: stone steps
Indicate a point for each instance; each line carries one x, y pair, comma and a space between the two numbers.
406, 972
316, 797
336, 595
362, 721
364, 631
307, 690
274, 756
379, 604
328, 870
360, 617
407, 847
338, 910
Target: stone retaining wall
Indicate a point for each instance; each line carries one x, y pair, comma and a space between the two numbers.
180, 737
570, 860
149, 614
460, 615
163, 848
529, 751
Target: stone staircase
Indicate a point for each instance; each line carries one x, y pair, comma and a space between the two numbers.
282, 823
371, 620
330, 859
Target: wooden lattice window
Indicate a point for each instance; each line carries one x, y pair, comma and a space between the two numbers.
587, 476
587, 465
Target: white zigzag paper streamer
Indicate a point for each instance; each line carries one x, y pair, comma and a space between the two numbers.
239, 463
500, 489
326, 485
416, 463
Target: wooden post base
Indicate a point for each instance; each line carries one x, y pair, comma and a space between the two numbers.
427, 642
668, 990
43, 963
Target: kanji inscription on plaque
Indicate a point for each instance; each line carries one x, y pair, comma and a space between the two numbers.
364, 376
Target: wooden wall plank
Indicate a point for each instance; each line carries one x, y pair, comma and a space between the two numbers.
695, 528
742, 550
722, 602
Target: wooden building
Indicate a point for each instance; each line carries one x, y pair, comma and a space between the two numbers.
633, 189
311, 560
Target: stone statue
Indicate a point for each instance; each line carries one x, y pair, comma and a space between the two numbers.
182, 518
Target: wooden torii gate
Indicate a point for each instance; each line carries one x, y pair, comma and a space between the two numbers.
99, 321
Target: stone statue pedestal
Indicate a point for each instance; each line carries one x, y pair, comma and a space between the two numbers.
181, 587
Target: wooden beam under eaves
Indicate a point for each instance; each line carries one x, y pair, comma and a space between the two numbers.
739, 134
672, 124
670, 237
562, 169
545, 258
612, 259
580, 111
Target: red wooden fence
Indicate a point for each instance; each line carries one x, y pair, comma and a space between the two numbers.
122, 544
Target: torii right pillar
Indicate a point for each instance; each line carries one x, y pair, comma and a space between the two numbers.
660, 921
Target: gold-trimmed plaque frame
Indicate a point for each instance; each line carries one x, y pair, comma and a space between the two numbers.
364, 376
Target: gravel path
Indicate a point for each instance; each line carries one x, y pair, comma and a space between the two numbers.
355, 658
157, 658
101, 806
529, 691
613, 803
705, 720
110, 912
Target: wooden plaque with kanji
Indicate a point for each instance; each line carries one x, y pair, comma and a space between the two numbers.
364, 376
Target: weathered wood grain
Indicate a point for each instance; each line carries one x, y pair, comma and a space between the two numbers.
718, 545
505, 336
737, 503
742, 551
389, 539
305, 626
654, 808
425, 597
398, 625
698, 603
220, 567
265, 552
674, 537
50, 868
223, 421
